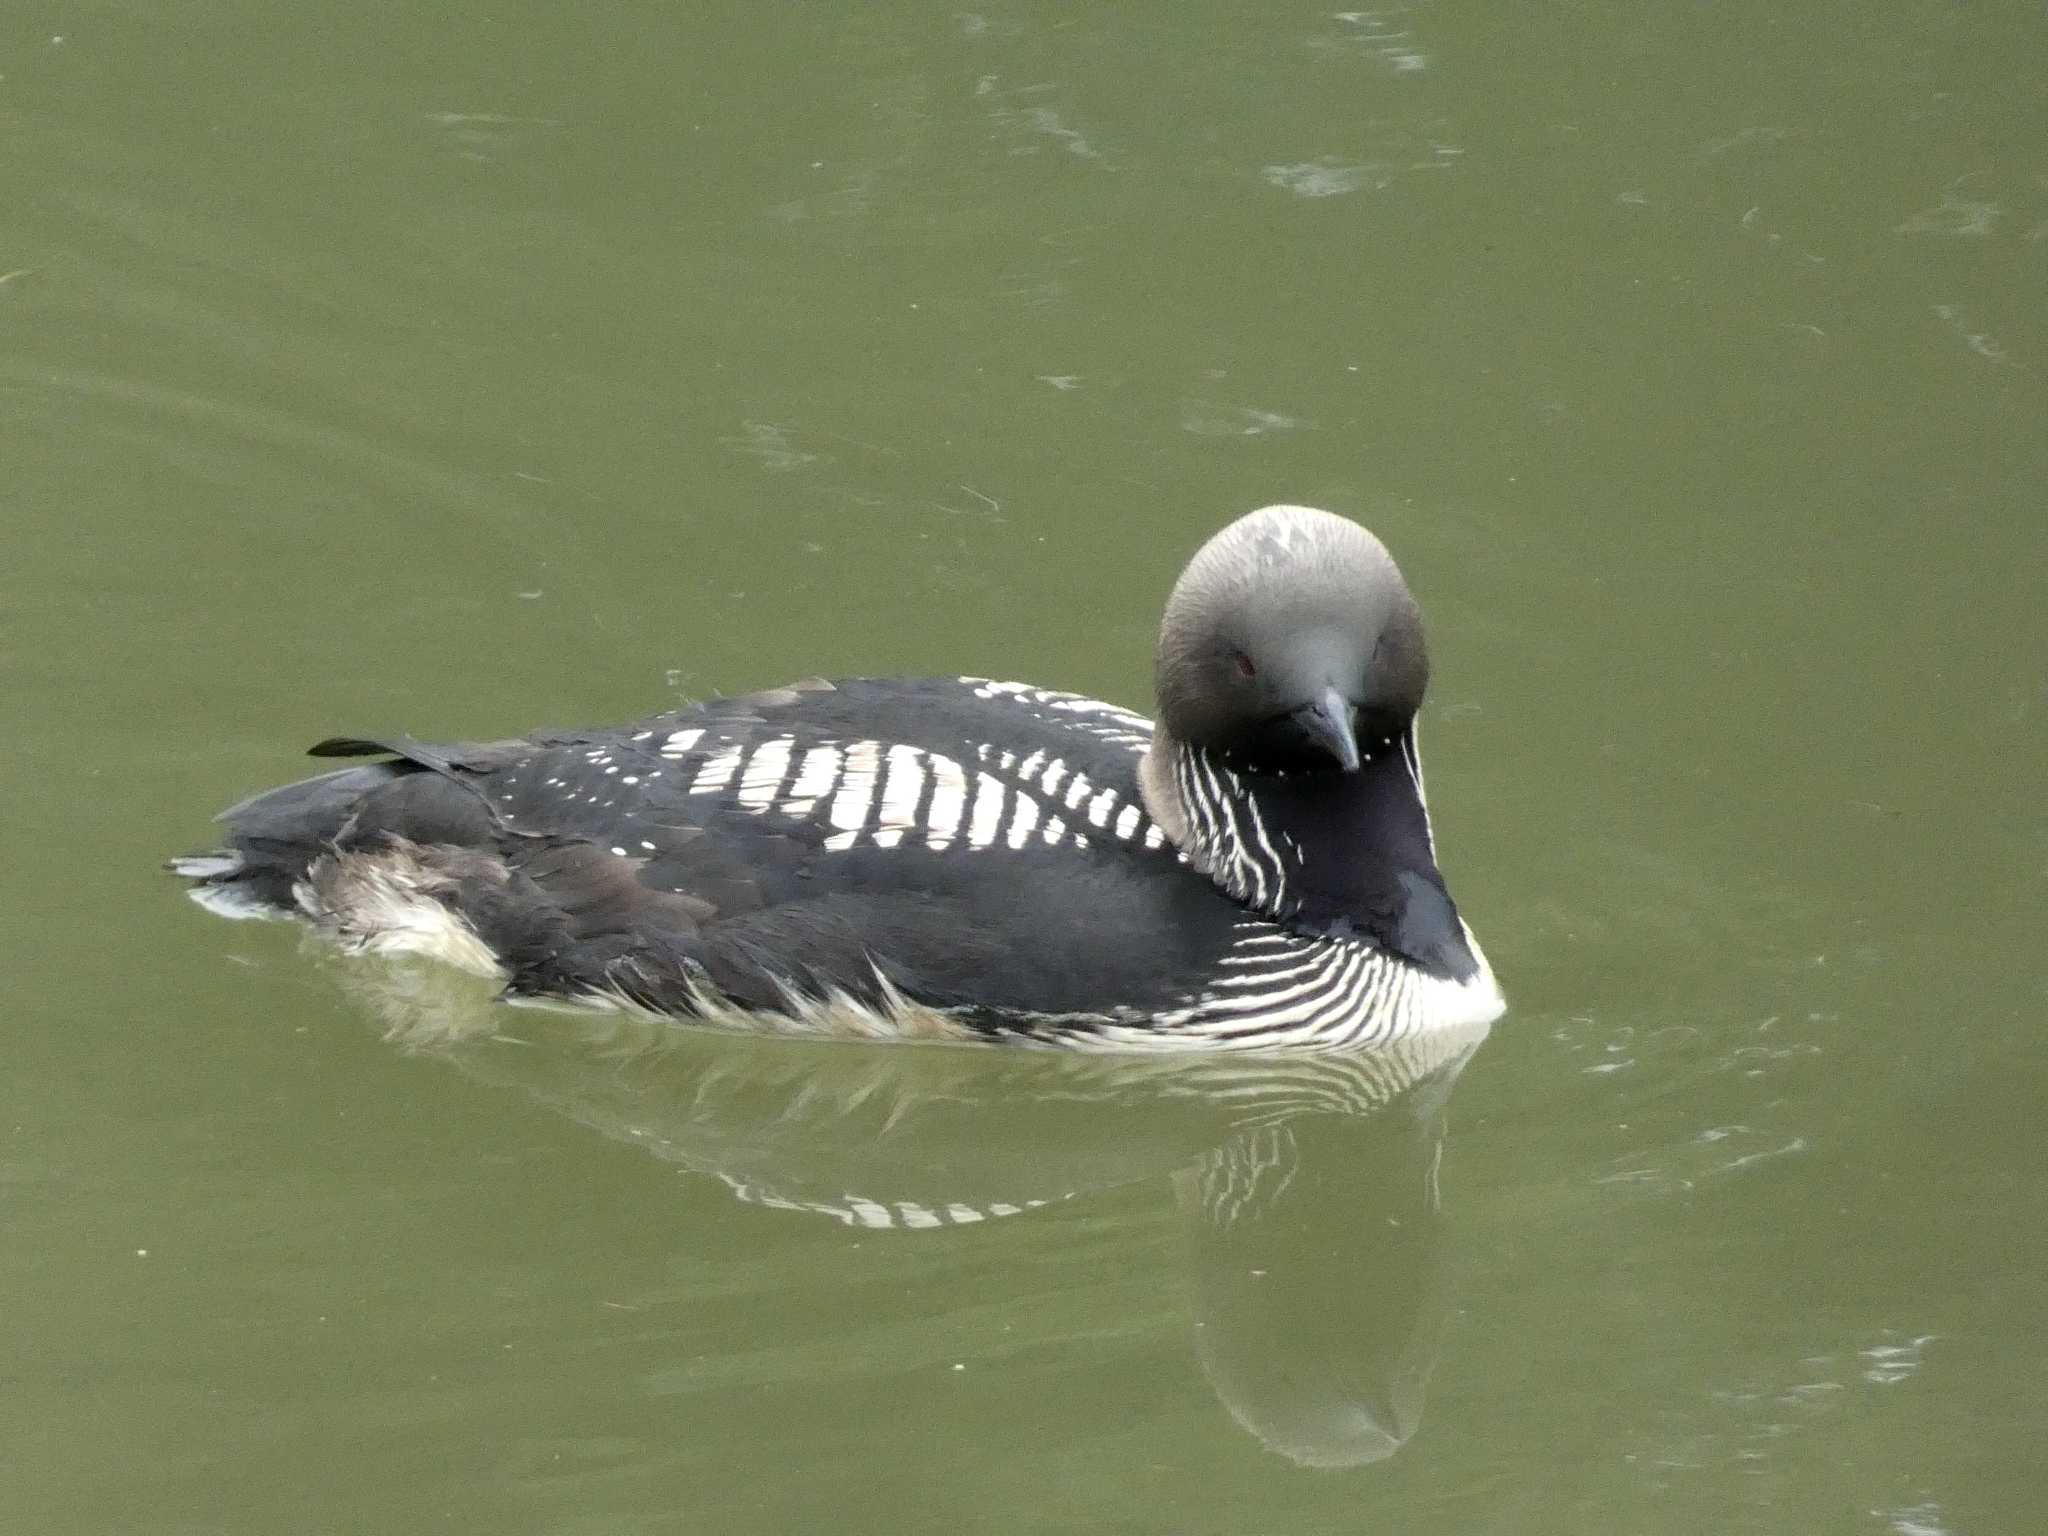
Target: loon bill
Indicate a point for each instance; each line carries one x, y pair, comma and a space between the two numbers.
950, 858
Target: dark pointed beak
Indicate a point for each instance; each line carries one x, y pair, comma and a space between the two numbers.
1327, 723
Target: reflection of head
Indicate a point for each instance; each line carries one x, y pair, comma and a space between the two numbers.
1317, 1283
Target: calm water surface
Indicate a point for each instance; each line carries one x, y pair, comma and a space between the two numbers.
461, 370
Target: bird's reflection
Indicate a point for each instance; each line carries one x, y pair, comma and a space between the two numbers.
1307, 1184
1315, 1264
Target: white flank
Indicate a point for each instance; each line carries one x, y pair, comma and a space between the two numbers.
381, 905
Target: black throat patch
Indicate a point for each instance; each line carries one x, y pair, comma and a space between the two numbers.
1343, 854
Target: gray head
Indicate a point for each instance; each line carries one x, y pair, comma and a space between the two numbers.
1289, 635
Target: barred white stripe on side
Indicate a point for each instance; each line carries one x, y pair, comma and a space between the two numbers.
762, 774
1078, 704
1275, 969
856, 794
881, 794
1281, 988
987, 818
1097, 717
901, 791
820, 771
868, 1213
1385, 1022
716, 772
851, 1210
949, 800
1022, 822
1259, 931
1263, 957
1313, 987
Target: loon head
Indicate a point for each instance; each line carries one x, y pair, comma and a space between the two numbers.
1284, 763
1289, 639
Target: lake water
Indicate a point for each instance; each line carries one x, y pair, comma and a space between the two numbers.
460, 370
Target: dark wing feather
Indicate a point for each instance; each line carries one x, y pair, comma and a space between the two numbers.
630, 864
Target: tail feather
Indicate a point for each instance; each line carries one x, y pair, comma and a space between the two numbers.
273, 838
290, 810
217, 865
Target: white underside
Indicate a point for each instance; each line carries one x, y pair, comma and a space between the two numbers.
236, 906
836, 1016
222, 900
387, 906
1476, 1000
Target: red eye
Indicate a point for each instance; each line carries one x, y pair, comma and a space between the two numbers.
1244, 664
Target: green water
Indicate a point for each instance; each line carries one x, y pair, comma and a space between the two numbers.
459, 369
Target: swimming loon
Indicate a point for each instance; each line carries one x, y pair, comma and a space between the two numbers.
953, 858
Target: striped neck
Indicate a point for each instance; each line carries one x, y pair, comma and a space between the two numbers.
1343, 854
1227, 838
